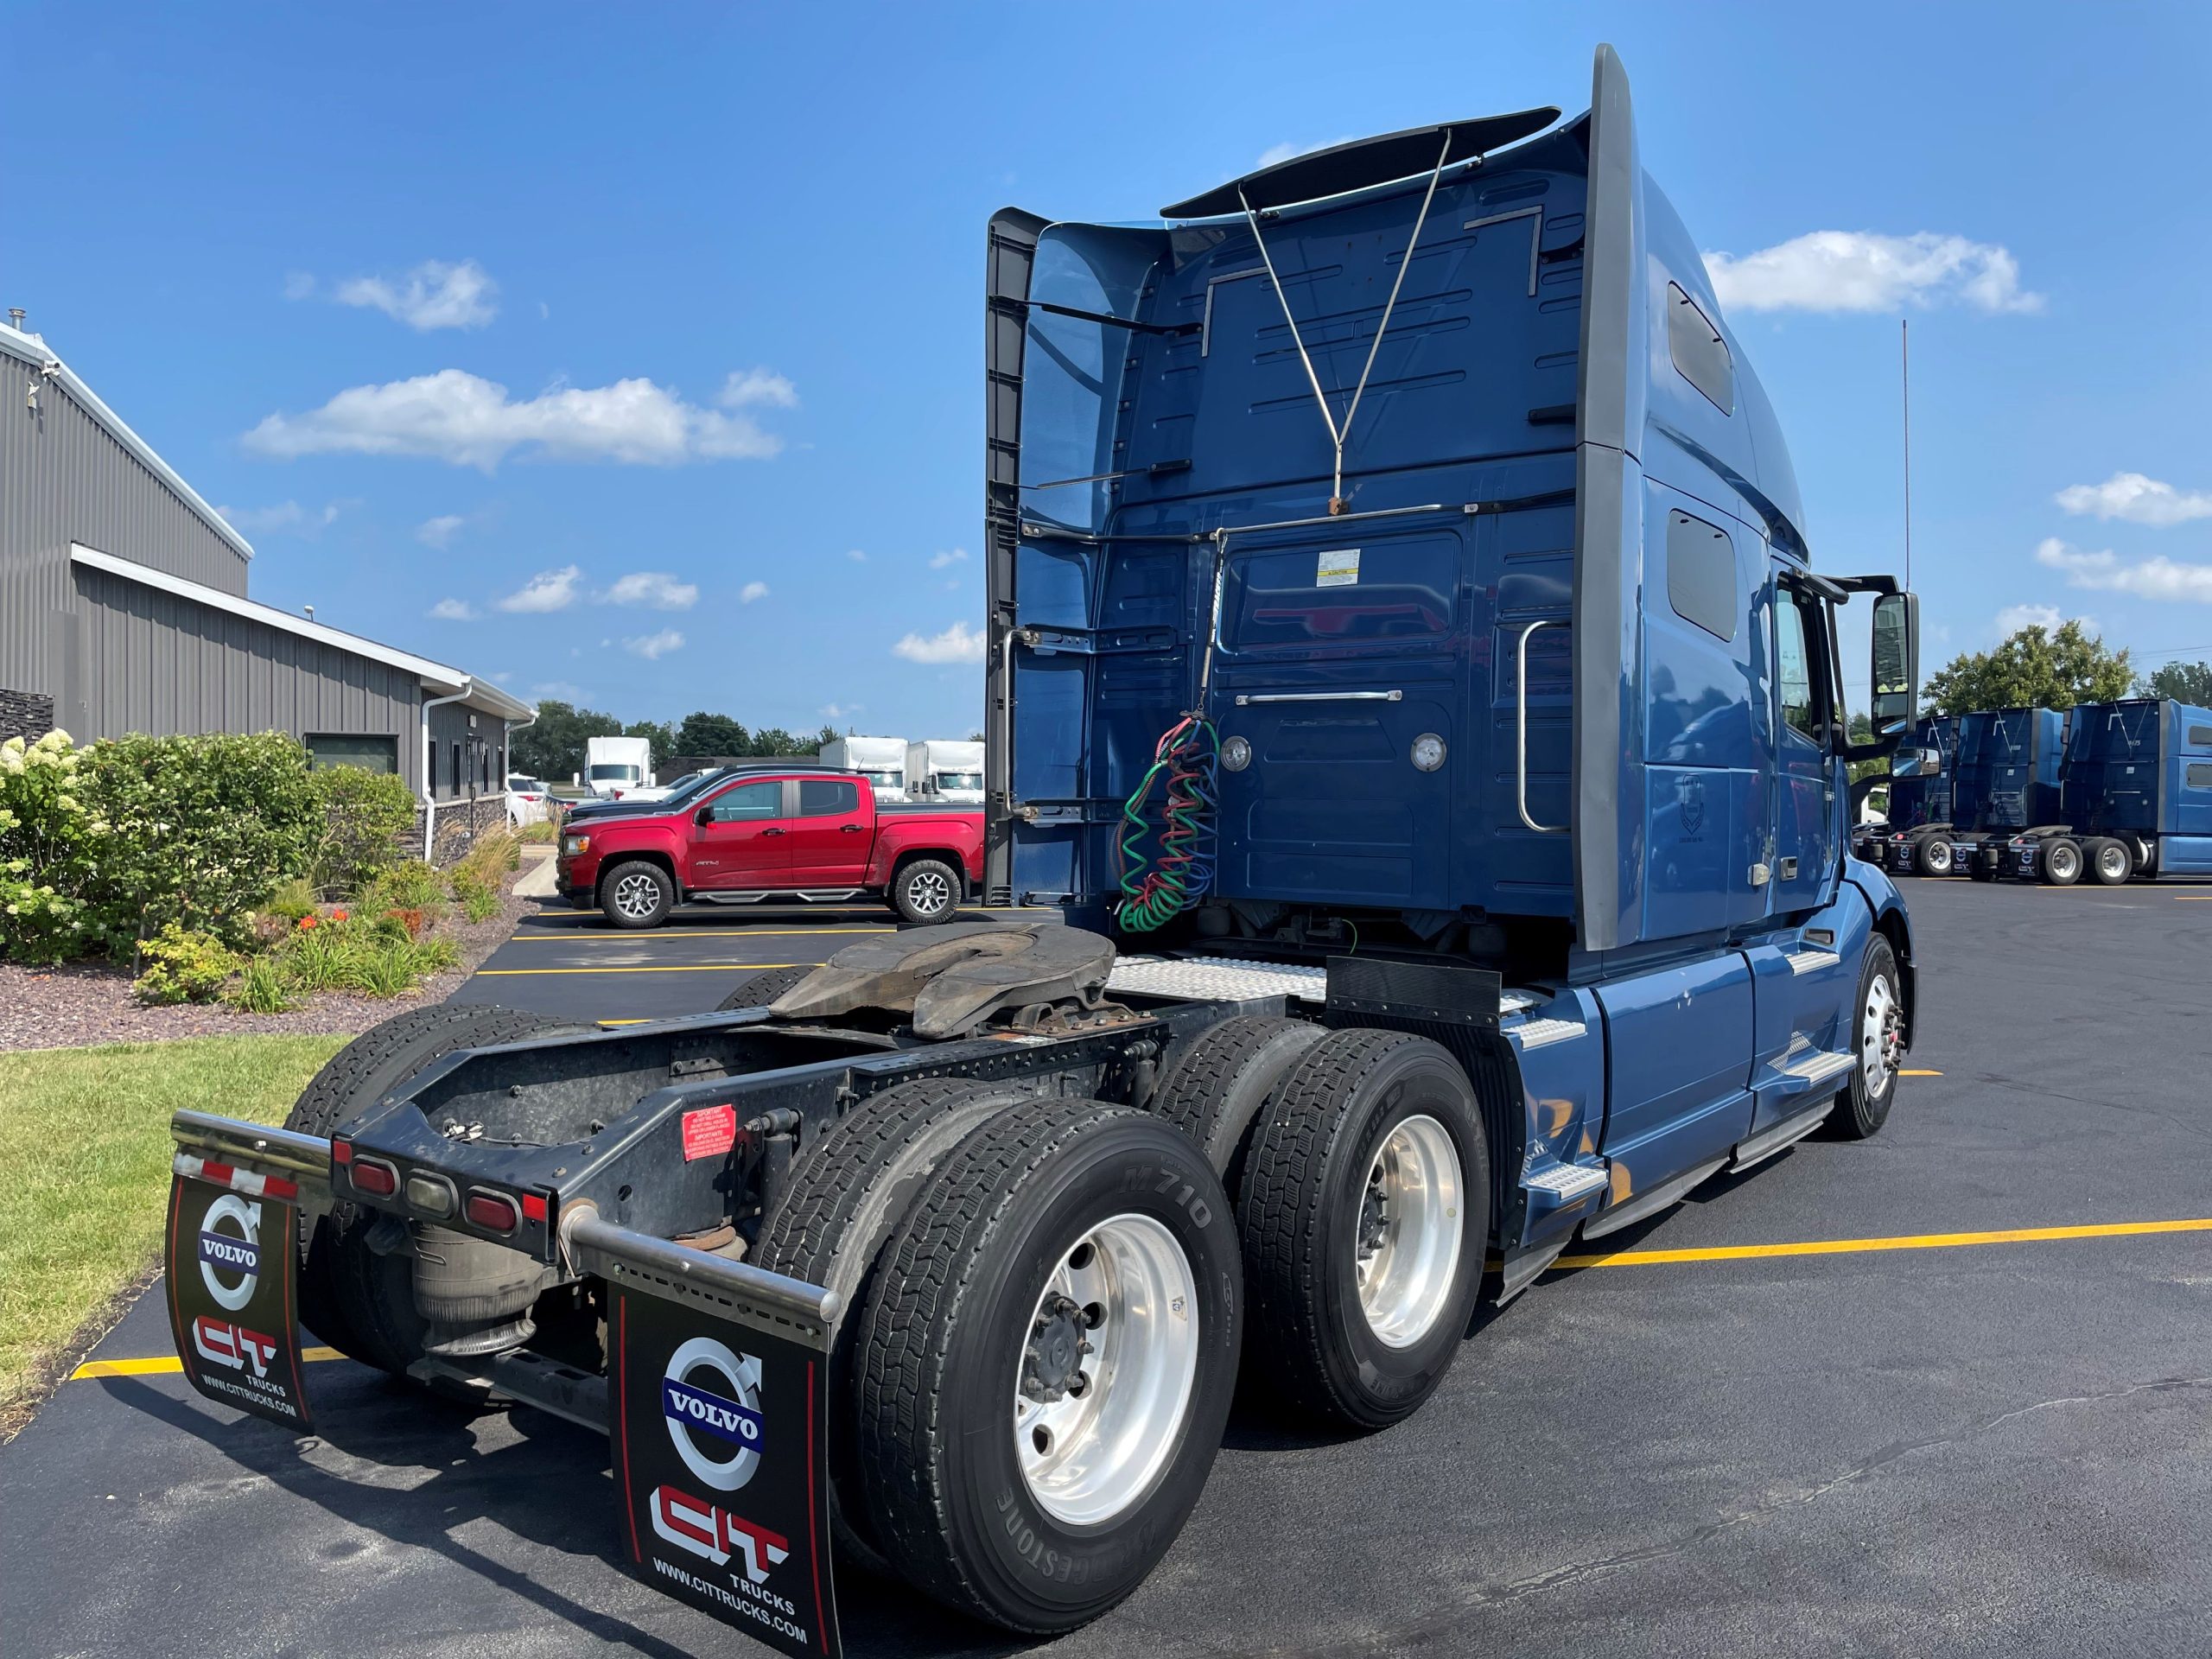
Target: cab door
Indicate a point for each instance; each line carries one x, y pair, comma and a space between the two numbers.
742, 837
1807, 822
828, 840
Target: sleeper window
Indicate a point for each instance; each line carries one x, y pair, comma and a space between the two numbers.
1698, 352
1701, 575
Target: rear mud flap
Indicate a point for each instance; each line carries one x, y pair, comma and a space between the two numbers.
232, 1263
718, 1377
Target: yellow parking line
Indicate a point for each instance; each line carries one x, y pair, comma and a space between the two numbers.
1910, 1242
697, 968
1920, 1074
617, 938
2195, 897
167, 1365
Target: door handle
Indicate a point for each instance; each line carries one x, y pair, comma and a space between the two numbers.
1246, 700
1521, 734
772, 832
848, 830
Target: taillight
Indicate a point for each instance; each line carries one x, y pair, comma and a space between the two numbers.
494, 1212
341, 1152
533, 1205
432, 1195
375, 1177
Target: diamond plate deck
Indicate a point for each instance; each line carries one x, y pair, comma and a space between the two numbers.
1218, 979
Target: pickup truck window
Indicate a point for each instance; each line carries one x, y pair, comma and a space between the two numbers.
827, 797
1793, 663
747, 801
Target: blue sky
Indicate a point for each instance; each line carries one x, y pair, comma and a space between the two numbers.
645, 343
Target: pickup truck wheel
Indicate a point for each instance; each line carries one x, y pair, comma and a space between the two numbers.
1046, 1363
845, 1198
2109, 861
927, 890
1365, 1217
1878, 1041
359, 1302
637, 895
1933, 857
762, 989
1218, 1083
2061, 862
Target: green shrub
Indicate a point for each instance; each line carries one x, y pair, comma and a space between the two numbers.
260, 987
411, 885
181, 966
294, 897
544, 833
495, 854
49, 840
364, 815
478, 901
375, 955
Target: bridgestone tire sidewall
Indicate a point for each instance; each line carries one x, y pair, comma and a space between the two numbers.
1051, 1575
1373, 1383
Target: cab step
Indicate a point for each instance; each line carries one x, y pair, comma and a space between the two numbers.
1803, 1068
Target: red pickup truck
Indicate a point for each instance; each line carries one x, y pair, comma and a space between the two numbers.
809, 832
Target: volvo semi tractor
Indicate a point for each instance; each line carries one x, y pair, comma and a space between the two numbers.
881, 760
946, 770
2135, 799
2005, 777
615, 766
1412, 689
1919, 792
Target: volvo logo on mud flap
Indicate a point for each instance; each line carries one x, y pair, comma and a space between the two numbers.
731, 1418
225, 1253
707, 1530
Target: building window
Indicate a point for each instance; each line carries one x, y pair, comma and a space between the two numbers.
1698, 352
367, 750
1702, 573
456, 768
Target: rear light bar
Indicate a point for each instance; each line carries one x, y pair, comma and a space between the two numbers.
494, 1212
375, 1177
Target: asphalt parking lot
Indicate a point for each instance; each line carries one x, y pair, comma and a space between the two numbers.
1717, 1443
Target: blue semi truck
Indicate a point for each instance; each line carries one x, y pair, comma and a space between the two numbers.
2135, 798
2005, 777
1920, 780
1410, 680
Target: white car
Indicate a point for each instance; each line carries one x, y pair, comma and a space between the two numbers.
529, 800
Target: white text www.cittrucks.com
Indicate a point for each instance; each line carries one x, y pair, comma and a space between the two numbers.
735, 1603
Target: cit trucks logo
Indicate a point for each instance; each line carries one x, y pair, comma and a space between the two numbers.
232, 1346
235, 1253
707, 1530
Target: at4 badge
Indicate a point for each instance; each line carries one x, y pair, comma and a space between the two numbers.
233, 1258
719, 1457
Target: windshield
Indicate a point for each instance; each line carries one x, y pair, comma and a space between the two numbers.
886, 779
613, 774
960, 780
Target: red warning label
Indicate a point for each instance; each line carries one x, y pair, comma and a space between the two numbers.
710, 1133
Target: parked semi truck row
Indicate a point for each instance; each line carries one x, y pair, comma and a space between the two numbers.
1412, 686
2114, 790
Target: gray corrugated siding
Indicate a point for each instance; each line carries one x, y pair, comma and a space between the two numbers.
63, 478
163, 664
448, 726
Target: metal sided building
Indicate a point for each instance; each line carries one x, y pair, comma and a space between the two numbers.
124, 609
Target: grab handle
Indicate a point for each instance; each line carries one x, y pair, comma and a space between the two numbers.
1521, 742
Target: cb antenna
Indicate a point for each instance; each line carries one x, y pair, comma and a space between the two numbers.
1904, 367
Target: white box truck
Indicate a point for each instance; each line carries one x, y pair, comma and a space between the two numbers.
945, 769
615, 766
882, 759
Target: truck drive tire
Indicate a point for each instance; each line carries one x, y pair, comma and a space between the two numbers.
1933, 857
357, 1301
2061, 862
761, 989
846, 1197
1877, 1043
637, 895
1223, 1078
927, 890
1366, 1219
1046, 1363
2110, 861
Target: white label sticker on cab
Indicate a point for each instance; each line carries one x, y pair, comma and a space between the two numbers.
1338, 569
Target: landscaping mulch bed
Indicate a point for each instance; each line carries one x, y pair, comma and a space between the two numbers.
83, 1003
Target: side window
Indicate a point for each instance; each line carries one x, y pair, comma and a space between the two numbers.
1701, 575
2196, 735
1793, 659
747, 803
827, 797
1700, 353
2200, 775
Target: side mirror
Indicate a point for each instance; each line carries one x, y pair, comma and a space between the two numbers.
1895, 679
1917, 763
704, 816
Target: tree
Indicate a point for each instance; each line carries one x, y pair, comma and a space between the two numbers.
553, 748
658, 733
705, 734
822, 739
775, 741
2034, 669
2188, 683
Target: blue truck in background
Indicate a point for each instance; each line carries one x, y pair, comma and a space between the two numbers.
1410, 680
2134, 799
1920, 782
2005, 777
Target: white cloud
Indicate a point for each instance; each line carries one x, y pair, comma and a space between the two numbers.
456, 417
2156, 578
285, 515
856, 555
655, 588
2138, 500
958, 644
746, 387
549, 590
840, 710
2014, 618
440, 530
1861, 270
1275, 153
654, 646
298, 285
453, 610
751, 591
950, 556
434, 295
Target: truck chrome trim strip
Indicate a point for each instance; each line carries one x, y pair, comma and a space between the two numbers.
1245, 699
1779, 1137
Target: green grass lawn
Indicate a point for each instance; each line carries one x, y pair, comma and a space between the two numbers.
85, 1169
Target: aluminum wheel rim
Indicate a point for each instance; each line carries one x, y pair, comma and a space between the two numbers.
1881, 1034
637, 896
1940, 861
2060, 861
1093, 1451
929, 892
1408, 1246
2111, 862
